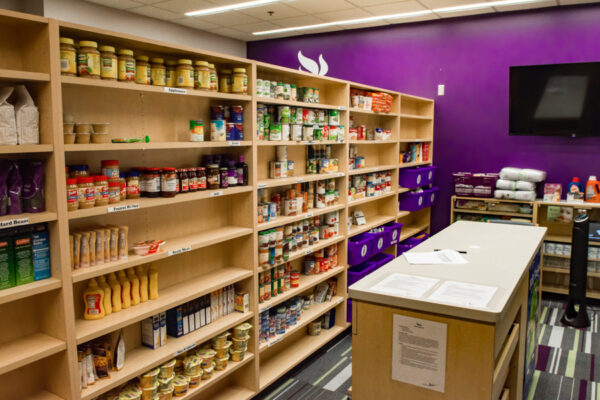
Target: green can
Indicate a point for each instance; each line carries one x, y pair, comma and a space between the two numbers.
284, 114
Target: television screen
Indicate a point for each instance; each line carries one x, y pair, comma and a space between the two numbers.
558, 99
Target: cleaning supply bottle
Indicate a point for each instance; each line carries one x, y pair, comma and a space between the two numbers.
125, 290
575, 186
107, 294
592, 190
143, 277
115, 287
153, 282
93, 297
135, 287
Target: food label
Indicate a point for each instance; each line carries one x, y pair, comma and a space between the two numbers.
126, 70
92, 302
216, 193
109, 68
72, 196
179, 251
158, 77
133, 190
175, 90
88, 64
125, 207
202, 183
169, 185
141, 75
90, 194
14, 222
68, 61
153, 185
187, 348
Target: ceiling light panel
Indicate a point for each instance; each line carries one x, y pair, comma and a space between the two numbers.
230, 7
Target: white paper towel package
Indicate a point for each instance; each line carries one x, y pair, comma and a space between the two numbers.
515, 195
27, 116
518, 174
8, 123
514, 185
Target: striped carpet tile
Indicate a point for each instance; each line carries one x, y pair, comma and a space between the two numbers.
547, 386
552, 312
569, 338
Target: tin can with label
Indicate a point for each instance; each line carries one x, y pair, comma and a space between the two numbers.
275, 132
308, 132
284, 114
290, 168
333, 132
236, 114
285, 131
272, 210
317, 133
196, 130
334, 117
217, 131
297, 132
320, 115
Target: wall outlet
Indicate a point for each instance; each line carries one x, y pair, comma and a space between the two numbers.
441, 90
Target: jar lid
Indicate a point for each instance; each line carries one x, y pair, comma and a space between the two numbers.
213, 166
114, 184
152, 169
211, 66
226, 71
71, 181
98, 178
184, 61
78, 167
239, 70
125, 52
167, 169
122, 175
88, 43
109, 49
66, 40
142, 58
109, 162
133, 174
200, 169
171, 62
202, 63
158, 60
85, 179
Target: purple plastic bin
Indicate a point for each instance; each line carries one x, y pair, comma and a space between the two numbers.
349, 312
432, 196
430, 174
474, 185
381, 259
359, 248
359, 271
379, 242
411, 242
393, 230
411, 201
413, 178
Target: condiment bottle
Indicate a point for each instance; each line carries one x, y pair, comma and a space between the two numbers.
185, 74
135, 286
168, 182
193, 178
153, 282
107, 294
72, 194
86, 192
143, 277
93, 297
114, 192
133, 185
223, 176
125, 290
201, 172
88, 59
242, 172
126, 66
68, 57
108, 63
116, 292
143, 74
213, 176
184, 182
159, 77
101, 189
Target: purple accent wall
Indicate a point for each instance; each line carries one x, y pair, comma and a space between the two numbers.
471, 56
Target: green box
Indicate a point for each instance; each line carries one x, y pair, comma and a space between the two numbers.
7, 263
23, 258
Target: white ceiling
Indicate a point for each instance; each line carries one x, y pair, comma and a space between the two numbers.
289, 13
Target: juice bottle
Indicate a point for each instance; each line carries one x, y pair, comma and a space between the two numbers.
93, 297
135, 286
153, 282
116, 292
107, 294
592, 190
125, 290
143, 277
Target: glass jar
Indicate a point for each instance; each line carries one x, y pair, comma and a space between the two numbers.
140, 171
279, 91
168, 182
239, 81
225, 81
185, 74
114, 192
158, 72
152, 182
88, 59
68, 57
213, 179
133, 185
231, 174
123, 185
142, 70
223, 174
293, 93
184, 181
101, 188
108, 63
171, 73
86, 192
110, 168
202, 184
72, 194
202, 75
78, 171
126, 66
193, 177
214, 80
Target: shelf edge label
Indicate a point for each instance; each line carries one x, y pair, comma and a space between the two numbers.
14, 222
186, 348
261, 185
217, 193
173, 90
125, 207
307, 252
299, 180
234, 143
340, 174
275, 341
342, 108
179, 251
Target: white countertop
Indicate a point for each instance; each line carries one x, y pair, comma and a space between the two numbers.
498, 255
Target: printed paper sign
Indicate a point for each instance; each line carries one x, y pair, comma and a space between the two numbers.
464, 294
405, 285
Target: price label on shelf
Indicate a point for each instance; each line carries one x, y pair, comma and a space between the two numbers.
310, 142
299, 180
186, 348
14, 222
267, 308
179, 251
307, 252
217, 193
342, 108
261, 185
125, 207
173, 90
309, 215
234, 143
275, 341
340, 174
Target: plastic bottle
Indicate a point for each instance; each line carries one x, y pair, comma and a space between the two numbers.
116, 292
242, 172
575, 186
107, 294
153, 282
93, 297
592, 190
135, 286
125, 290
142, 275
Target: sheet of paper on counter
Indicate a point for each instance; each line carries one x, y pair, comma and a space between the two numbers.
464, 294
405, 285
435, 257
419, 352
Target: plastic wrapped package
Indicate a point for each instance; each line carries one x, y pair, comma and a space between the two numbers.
32, 173
27, 117
14, 184
8, 124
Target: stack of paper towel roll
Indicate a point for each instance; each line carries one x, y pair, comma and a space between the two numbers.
518, 184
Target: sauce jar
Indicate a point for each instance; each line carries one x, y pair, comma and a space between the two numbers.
108, 63
168, 182
88, 59
223, 174
72, 194
184, 181
68, 57
123, 185
126, 66
212, 178
101, 189
193, 178
133, 185
239, 81
143, 74
152, 182
202, 75
185, 74
114, 192
225, 81
214, 80
171, 73
159, 77
140, 171
201, 173
86, 193
110, 168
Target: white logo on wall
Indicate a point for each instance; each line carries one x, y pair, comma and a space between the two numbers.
311, 65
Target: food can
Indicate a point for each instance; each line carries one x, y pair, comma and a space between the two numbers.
282, 152
333, 132
217, 112
234, 131
237, 114
297, 132
334, 117
308, 132
275, 132
285, 131
284, 114
317, 133
320, 117
259, 86
290, 168
196, 130
217, 131
316, 95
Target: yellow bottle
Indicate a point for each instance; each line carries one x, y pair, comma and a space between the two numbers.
107, 294
125, 290
116, 292
153, 282
93, 297
135, 286
143, 277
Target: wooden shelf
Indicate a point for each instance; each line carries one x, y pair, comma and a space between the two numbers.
415, 140
8, 221
308, 250
307, 316
410, 231
414, 164
266, 100
102, 83
313, 212
567, 271
30, 289
234, 392
565, 290
568, 257
142, 359
12, 75
369, 199
305, 283
147, 202
372, 222
295, 143
28, 349
167, 298
26, 148
558, 238
403, 190
402, 214
154, 146
43, 395
369, 170
499, 213
413, 116
584, 205
369, 112
389, 141
193, 242
492, 200
287, 358
267, 183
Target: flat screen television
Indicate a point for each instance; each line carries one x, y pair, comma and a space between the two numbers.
555, 100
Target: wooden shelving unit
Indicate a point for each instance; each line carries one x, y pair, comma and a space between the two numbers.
487, 203
211, 236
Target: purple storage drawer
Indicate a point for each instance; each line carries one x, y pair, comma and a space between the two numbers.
393, 230
359, 271
349, 311
359, 248
432, 196
379, 242
430, 174
410, 201
411, 242
381, 259
413, 178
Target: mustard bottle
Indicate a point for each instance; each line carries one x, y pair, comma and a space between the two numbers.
116, 292
93, 297
135, 286
107, 294
153, 282
125, 290
143, 277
